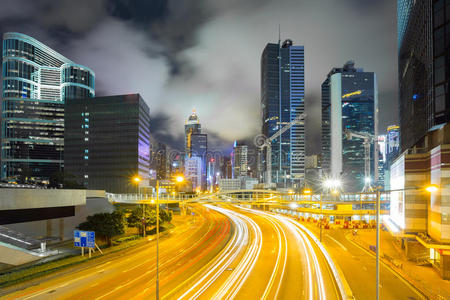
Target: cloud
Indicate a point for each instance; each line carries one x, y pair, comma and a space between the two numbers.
205, 54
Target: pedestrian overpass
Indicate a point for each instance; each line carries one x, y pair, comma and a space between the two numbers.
342, 205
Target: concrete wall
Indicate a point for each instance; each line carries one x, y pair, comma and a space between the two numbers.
439, 206
11, 255
38, 198
417, 176
52, 228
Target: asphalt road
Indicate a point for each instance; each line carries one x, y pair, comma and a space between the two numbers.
359, 268
132, 276
229, 253
272, 258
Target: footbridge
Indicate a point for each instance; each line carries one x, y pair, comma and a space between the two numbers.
312, 205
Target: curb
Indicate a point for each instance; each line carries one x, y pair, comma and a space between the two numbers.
412, 285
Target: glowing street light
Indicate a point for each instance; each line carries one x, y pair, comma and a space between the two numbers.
332, 183
137, 179
432, 188
307, 191
179, 179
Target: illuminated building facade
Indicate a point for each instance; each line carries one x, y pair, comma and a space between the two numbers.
420, 219
239, 160
282, 100
36, 82
349, 100
393, 142
196, 146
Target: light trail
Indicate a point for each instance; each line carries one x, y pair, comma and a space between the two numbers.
327, 256
279, 231
225, 258
240, 274
312, 262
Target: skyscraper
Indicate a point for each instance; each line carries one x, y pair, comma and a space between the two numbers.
423, 67
392, 142
349, 101
107, 142
36, 82
196, 147
282, 100
239, 160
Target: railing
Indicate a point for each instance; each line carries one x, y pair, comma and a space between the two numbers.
141, 198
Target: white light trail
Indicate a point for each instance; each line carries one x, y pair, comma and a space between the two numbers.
310, 255
237, 278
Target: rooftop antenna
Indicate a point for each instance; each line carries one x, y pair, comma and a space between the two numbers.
279, 34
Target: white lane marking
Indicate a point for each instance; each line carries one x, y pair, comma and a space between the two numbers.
137, 266
54, 288
102, 265
337, 242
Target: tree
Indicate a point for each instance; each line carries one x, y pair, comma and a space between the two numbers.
165, 216
135, 219
106, 225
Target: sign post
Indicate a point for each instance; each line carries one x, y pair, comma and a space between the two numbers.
84, 239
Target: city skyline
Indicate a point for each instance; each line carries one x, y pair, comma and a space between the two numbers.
154, 43
205, 149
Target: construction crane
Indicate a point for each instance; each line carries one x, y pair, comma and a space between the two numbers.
368, 139
268, 144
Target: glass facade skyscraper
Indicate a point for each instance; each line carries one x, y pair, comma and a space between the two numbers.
239, 160
196, 147
349, 101
282, 100
36, 82
423, 65
415, 69
107, 142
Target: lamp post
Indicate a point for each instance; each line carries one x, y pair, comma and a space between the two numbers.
137, 180
430, 189
178, 179
333, 185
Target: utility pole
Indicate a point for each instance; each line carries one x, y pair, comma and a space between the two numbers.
321, 213
378, 245
157, 239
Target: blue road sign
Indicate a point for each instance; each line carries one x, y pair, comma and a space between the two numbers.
84, 238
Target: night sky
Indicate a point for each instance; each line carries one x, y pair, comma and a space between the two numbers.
205, 54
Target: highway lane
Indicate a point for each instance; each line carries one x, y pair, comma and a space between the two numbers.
269, 258
233, 253
306, 272
359, 267
132, 276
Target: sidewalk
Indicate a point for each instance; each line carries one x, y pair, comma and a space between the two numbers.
425, 278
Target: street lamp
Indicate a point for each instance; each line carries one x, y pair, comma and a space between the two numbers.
431, 188
333, 185
137, 180
178, 179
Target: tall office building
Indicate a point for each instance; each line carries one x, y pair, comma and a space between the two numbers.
107, 142
36, 82
382, 159
349, 101
239, 160
282, 100
392, 142
196, 146
193, 168
192, 126
423, 67
158, 160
